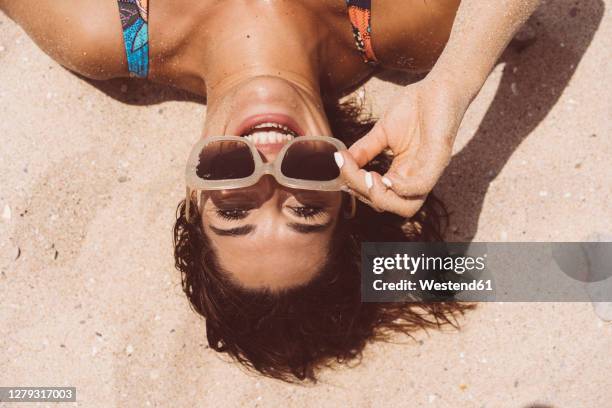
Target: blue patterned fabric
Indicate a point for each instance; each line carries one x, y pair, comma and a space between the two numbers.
134, 16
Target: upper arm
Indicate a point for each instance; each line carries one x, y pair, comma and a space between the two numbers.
411, 34
83, 35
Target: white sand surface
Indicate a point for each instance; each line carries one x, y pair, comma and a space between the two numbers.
89, 181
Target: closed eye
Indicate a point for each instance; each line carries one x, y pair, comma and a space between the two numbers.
233, 213
307, 212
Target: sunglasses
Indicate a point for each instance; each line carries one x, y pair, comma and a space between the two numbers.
231, 162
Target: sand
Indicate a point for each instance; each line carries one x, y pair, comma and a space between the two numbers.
90, 175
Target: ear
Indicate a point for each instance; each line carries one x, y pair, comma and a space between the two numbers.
190, 202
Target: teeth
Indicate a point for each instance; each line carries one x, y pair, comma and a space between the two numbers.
268, 137
283, 135
284, 128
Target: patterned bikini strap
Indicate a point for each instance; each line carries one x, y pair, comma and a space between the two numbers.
360, 15
134, 21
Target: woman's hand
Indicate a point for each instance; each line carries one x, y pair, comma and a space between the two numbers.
422, 121
419, 128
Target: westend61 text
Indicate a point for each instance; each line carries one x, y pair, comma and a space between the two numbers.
430, 285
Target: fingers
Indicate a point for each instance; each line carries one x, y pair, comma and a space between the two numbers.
361, 198
417, 178
374, 190
369, 146
354, 176
386, 199
411, 186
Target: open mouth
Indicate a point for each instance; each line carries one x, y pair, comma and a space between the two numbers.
270, 130
270, 133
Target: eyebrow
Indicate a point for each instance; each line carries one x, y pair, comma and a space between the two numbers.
233, 232
308, 228
248, 229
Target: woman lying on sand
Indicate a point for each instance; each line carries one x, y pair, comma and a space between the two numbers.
272, 262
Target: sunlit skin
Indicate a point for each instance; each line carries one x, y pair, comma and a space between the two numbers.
276, 57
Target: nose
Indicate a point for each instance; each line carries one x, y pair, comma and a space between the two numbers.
255, 195
266, 156
268, 184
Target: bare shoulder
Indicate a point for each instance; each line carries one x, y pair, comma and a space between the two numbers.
83, 35
411, 34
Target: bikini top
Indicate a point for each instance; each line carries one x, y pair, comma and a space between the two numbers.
134, 22
360, 16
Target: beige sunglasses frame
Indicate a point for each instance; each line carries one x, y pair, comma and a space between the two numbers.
195, 183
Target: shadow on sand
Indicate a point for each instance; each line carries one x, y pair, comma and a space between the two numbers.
141, 92
539, 64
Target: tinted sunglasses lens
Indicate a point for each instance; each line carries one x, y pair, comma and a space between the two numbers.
225, 160
310, 160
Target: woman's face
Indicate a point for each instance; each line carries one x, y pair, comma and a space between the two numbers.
268, 235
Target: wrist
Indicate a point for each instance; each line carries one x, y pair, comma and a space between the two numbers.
464, 85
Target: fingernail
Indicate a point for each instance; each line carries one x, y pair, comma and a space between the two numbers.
339, 159
387, 182
368, 180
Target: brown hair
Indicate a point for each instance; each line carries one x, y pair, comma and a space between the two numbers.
288, 335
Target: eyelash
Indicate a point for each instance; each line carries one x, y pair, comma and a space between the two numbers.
307, 212
233, 214
240, 213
